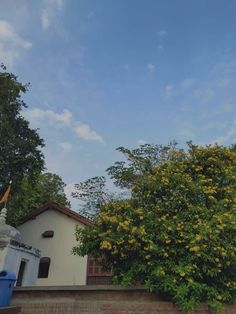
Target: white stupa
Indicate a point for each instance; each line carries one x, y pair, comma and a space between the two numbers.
15, 255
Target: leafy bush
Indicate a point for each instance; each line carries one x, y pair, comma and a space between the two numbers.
176, 233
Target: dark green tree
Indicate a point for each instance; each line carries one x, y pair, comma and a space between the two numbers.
139, 162
93, 194
51, 187
21, 158
20, 146
48, 186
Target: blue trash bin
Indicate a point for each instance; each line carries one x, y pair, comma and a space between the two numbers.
7, 281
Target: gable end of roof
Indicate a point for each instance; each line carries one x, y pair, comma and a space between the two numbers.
60, 208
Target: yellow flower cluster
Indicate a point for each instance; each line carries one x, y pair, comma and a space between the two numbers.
124, 225
131, 241
106, 245
142, 230
194, 249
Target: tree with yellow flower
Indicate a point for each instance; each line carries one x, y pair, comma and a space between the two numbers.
176, 234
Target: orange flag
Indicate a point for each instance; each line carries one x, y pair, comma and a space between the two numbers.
5, 195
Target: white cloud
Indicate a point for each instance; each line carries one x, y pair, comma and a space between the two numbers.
60, 3
64, 117
85, 132
151, 67
169, 89
45, 19
225, 82
65, 146
50, 10
8, 33
141, 142
228, 107
70, 187
11, 43
37, 115
229, 137
205, 94
162, 33
186, 133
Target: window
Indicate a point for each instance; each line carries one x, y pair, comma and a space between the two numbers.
48, 234
21, 273
95, 274
44, 267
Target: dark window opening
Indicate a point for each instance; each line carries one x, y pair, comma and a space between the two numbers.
95, 274
21, 274
48, 234
44, 267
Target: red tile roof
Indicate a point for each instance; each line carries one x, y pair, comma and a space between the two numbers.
62, 209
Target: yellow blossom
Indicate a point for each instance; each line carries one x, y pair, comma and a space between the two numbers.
105, 245
198, 237
120, 241
194, 249
131, 241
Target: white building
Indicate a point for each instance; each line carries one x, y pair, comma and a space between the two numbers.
16, 256
51, 228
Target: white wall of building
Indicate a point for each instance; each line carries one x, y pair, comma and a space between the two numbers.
13, 258
65, 268
3, 253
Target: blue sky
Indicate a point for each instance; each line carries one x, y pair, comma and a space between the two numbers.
109, 73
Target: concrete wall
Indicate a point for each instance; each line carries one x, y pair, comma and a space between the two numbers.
3, 252
11, 257
65, 268
96, 300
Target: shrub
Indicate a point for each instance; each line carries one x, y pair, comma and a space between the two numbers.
176, 233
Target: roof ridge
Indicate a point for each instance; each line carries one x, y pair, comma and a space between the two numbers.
50, 204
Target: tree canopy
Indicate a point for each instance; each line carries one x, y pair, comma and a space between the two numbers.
48, 186
176, 233
93, 194
20, 146
21, 157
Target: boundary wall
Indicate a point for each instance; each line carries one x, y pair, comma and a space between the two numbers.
96, 300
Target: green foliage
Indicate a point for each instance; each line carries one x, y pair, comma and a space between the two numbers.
20, 146
20, 153
21, 158
176, 233
49, 186
138, 162
93, 195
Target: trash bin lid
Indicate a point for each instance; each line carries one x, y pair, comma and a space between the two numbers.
6, 274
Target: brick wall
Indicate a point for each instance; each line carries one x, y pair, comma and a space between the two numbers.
95, 300
10, 310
